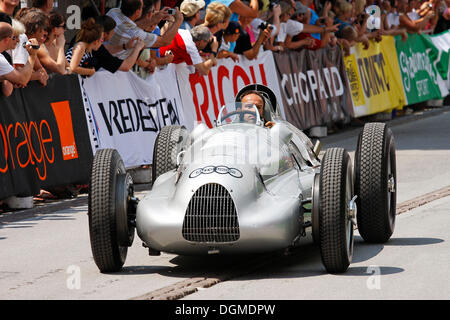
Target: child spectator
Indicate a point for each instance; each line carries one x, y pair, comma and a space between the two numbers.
80, 56
230, 35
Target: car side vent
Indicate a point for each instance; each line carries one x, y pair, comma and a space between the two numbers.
211, 216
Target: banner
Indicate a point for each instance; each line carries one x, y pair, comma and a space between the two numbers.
314, 87
374, 78
423, 68
125, 112
203, 96
442, 43
44, 140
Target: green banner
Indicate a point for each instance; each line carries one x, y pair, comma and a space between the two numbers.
422, 66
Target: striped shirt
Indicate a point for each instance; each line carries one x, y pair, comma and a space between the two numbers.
125, 30
87, 57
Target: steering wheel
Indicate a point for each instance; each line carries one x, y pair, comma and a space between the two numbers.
241, 115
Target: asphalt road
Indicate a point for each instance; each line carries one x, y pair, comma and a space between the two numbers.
48, 256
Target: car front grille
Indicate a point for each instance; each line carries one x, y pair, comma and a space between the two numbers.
211, 216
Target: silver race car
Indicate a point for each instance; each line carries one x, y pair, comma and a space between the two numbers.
253, 183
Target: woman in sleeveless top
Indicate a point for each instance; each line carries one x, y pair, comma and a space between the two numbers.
80, 56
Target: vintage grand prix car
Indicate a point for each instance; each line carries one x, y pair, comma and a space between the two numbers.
241, 187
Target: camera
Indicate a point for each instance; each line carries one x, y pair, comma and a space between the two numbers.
34, 46
171, 11
264, 25
273, 3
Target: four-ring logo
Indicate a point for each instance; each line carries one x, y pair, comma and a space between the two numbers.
219, 170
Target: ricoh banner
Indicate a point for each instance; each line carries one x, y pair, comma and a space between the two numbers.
314, 87
203, 96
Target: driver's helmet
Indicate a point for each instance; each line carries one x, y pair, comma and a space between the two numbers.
267, 95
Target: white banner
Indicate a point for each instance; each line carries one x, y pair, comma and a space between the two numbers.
442, 42
129, 117
203, 96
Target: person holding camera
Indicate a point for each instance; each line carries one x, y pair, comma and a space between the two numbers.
244, 45
126, 18
17, 77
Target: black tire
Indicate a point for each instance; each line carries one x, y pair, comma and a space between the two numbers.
103, 210
375, 183
335, 222
168, 145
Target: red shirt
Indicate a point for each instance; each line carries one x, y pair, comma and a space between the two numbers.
183, 49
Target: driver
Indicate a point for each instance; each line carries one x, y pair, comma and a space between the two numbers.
253, 98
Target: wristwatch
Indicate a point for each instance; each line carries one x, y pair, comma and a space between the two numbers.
214, 53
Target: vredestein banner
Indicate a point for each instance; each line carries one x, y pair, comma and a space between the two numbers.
314, 87
125, 112
44, 140
423, 68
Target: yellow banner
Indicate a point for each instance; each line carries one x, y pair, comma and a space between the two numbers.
375, 78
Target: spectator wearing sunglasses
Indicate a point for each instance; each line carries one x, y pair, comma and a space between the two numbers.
51, 54
18, 77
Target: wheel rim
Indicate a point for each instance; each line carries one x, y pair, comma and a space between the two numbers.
349, 207
391, 189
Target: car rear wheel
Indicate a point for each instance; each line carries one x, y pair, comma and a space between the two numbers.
111, 231
336, 211
375, 183
168, 145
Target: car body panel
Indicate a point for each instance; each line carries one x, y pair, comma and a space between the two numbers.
265, 179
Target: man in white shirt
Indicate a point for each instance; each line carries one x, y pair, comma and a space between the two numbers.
7, 72
126, 29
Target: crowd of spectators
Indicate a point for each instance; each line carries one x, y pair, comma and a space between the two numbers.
142, 35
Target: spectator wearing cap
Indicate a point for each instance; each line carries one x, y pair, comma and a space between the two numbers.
51, 54
186, 45
19, 77
230, 35
45, 5
126, 16
191, 13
